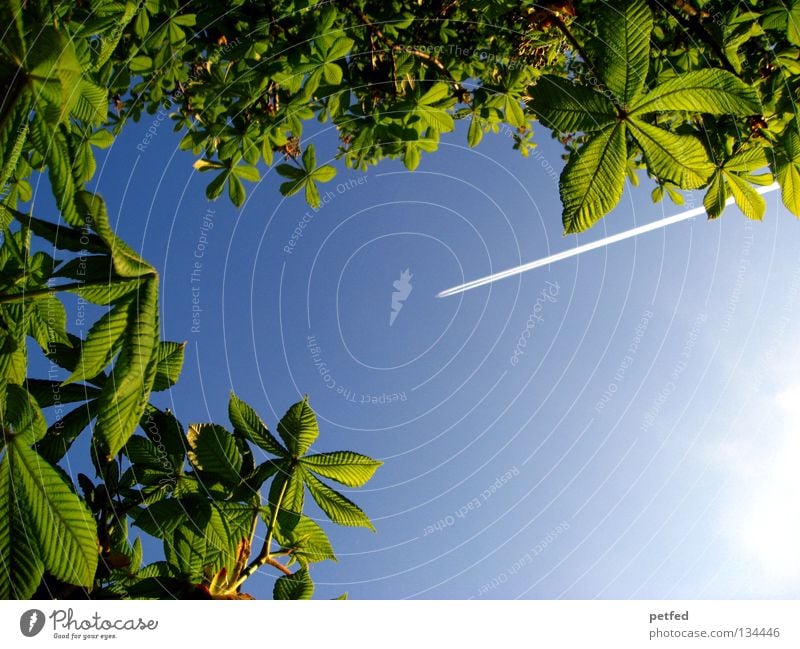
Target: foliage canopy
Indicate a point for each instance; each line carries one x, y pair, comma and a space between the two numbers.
697, 94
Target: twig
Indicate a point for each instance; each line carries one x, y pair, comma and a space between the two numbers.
562, 27
693, 22
691, 10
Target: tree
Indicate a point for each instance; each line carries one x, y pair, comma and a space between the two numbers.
697, 95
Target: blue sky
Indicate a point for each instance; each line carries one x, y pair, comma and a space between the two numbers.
617, 425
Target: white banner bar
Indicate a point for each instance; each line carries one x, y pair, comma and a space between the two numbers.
371, 625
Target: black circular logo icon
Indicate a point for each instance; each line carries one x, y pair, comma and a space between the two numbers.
31, 622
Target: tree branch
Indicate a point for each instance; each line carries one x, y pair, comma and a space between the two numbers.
394, 47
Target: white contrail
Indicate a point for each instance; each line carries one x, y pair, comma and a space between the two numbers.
634, 232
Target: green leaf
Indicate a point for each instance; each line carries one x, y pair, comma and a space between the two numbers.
140, 64
11, 13
475, 132
332, 74
62, 525
49, 393
339, 48
104, 295
411, 157
290, 171
21, 415
788, 170
566, 107
324, 174
136, 555
294, 586
127, 262
189, 551
157, 569
260, 475
143, 453
48, 322
290, 483
101, 138
230, 523
208, 537
247, 172
14, 359
712, 91
291, 187
55, 72
236, 190
298, 428
348, 468
141, 25
679, 159
312, 194
245, 420
201, 164
266, 150
185, 20
793, 23
748, 200
717, 194
435, 94
512, 111
442, 121
124, 396
169, 365
59, 235
166, 432
309, 158
747, 160
306, 540
90, 103
51, 143
624, 31
593, 179
214, 451
162, 518
62, 433
21, 566
102, 343
339, 509
215, 187
13, 134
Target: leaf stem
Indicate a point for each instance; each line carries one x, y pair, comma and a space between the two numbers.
264, 557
